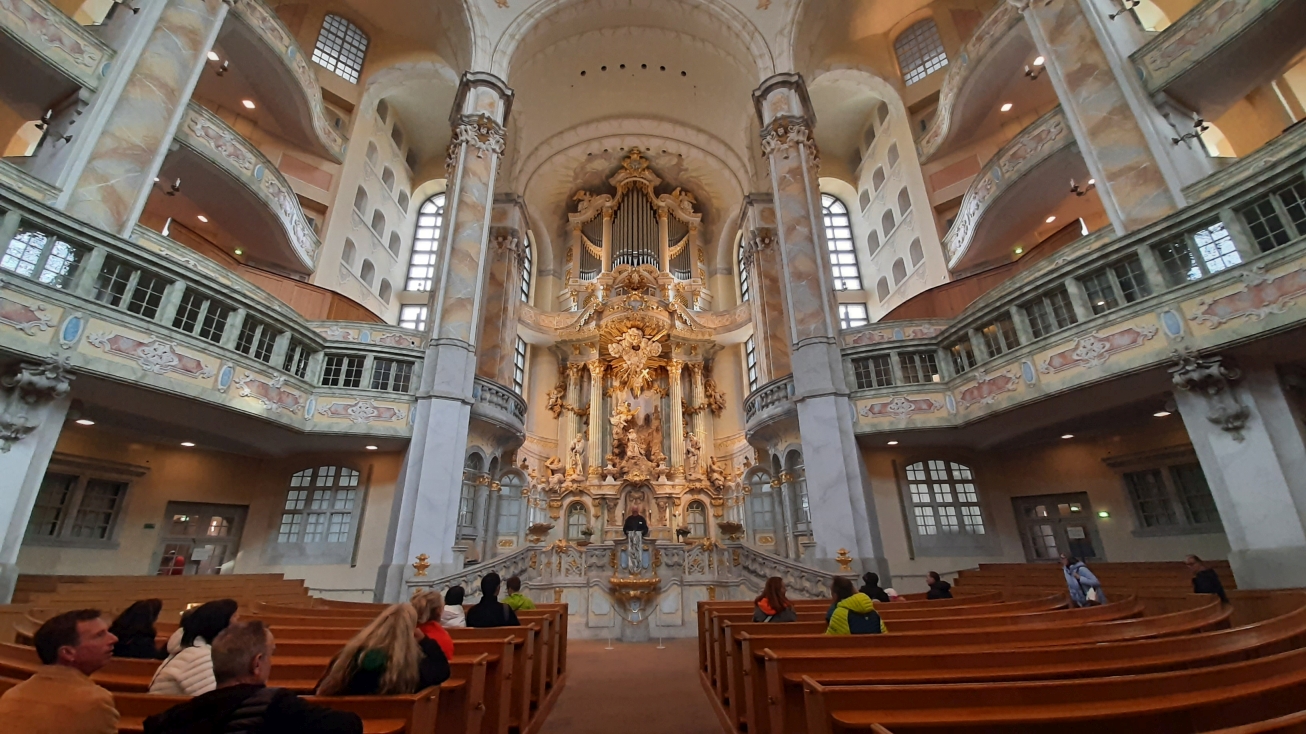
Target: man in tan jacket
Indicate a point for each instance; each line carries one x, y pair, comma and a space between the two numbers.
60, 698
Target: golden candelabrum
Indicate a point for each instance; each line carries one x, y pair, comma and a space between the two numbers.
844, 560
423, 562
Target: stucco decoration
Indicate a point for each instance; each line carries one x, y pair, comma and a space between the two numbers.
1261, 296
272, 394
987, 389
480, 133
900, 407
877, 336
784, 134
156, 355
1193, 36
1211, 378
361, 411
25, 318
29, 385
54, 36
1093, 350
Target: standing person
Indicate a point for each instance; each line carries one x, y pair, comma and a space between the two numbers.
135, 631
429, 606
1085, 589
242, 701
453, 617
1205, 579
489, 611
772, 605
60, 697
939, 589
852, 613
515, 599
389, 657
871, 587
188, 669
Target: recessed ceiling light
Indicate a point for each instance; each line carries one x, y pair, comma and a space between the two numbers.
1051, 219
1006, 107
203, 218
249, 103
1092, 181
85, 422
1020, 250
1038, 61
188, 444
239, 251
1161, 414
893, 443
370, 448
213, 56
1101, 303
1104, 513
1068, 435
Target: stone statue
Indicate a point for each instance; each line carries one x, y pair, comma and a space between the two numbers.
622, 414
713, 397
635, 528
693, 453
576, 455
633, 449
716, 476
555, 398
552, 465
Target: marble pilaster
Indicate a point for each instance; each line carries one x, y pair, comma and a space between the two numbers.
674, 368
571, 422
498, 338
597, 417
109, 187
766, 284
696, 400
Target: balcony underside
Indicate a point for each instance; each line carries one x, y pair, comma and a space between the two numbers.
29, 85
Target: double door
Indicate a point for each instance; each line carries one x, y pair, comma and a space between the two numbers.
199, 539
1057, 523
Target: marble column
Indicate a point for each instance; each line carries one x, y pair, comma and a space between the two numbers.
1248, 437
425, 515
108, 185
597, 417
696, 402
843, 509
1139, 174
676, 397
35, 402
766, 284
571, 421
498, 338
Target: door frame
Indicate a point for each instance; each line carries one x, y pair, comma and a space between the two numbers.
1080, 498
166, 524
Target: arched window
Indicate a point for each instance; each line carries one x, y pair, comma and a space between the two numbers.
397, 136
877, 178
899, 271
864, 199
696, 519
341, 48
882, 112
378, 222
873, 242
882, 289
350, 253
426, 240
372, 152
388, 178
915, 253
744, 285
839, 238
403, 201
473, 467
887, 222
519, 366
893, 154
761, 501
383, 110
322, 506
385, 291
577, 520
360, 201
800, 507
395, 244
920, 51
944, 499
527, 261
367, 273
510, 503
904, 202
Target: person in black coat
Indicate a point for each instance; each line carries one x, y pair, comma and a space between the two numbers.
871, 587
243, 702
135, 631
489, 611
1205, 579
939, 589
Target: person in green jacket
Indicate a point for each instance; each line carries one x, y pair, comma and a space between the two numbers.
853, 613
515, 599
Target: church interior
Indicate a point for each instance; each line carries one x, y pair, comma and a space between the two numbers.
323, 304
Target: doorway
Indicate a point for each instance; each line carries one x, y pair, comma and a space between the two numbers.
1057, 523
199, 539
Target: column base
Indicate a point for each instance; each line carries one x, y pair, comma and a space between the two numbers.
1270, 568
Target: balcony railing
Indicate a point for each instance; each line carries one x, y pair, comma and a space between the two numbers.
496, 403
768, 401
57, 39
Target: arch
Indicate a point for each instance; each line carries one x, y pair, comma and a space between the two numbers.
378, 222
887, 223
899, 271
426, 244
388, 178
349, 254
696, 519
403, 201
473, 468
577, 519
915, 252
919, 51
367, 273
877, 178
864, 199
893, 149
395, 244
341, 48
873, 242
372, 152
839, 241
385, 291
383, 111
331, 489
904, 202
882, 288
360, 201
944, 498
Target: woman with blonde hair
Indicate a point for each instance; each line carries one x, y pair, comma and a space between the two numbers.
430, 609
388, 657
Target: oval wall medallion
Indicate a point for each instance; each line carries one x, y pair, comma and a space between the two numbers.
258, 172
311, 408
225, 375
1027, 371
365, 336
71, 331
1174, 326
897, 335
951, 402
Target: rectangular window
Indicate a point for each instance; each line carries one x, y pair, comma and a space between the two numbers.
121, 285
1293, 198
1101, 291
392, 375
202, 316
1178, 263
918, 367
852, 315
925, 524
339, 370
256, 339
1000, 336
47, 259
325, 513
519, 366
875, 371
1194, 494
750, 358
1049, 313
963, 355
98, 508
413, 317
1131, 279
1265, 225
1216, 247
296, 361
341, 47
76, 508
1148, 494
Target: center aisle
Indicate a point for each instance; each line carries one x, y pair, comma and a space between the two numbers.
632, 689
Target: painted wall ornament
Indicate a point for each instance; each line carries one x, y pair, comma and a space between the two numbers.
361, 411
1094, 350
28, 386
25, 318
1212, 379
271, 394
157, 356
1261, 296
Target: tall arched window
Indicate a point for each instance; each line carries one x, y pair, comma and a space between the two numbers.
904, 202
944, 499
378, 222
388, 179
882, 288
472, 469
893, 154
899, 271
426, 241
367, 273
839, 238
800, 506
920, 51
576, 521
887, 222
877, 178
360, 201
321, 506
341, 48
743, 272
372, 152
526, 260
510, 503
761, 502
395, 244
916, 252
696, 519
350, 253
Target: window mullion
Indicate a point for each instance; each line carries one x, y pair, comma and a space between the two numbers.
71, 508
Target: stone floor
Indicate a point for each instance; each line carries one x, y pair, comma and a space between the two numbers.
634, 688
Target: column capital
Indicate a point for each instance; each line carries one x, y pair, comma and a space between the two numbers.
573, 369
1212, 379
481, 93
507, 239
674, 367
481, 132
783, 134
596, 367
696, 368
783, 95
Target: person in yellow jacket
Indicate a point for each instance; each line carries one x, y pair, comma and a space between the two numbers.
853, 613
515, 599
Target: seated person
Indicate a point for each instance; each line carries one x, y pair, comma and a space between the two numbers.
60, 697
852, 613
243, 702
773, 605
1205, 579
489, 611
939, 589
515, 599
430, 607
453, 617
188, 669
388, 657
871, 587
135, 631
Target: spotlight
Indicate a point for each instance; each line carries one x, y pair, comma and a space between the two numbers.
1161, 414
249, 103
204, 219
893, 443
370, 448
1051, 219
213, 56
1006, 107
188, 444
1068, 435
85, 422
1104, 513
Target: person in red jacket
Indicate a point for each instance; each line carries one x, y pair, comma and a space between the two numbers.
430, 606
773, 605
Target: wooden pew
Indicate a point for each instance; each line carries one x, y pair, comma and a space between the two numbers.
1157, 703
1290, 724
